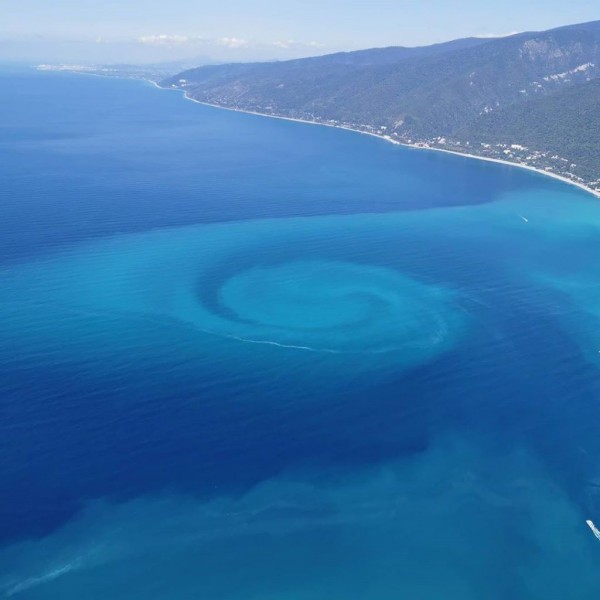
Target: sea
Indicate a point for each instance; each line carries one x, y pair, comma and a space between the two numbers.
244, 358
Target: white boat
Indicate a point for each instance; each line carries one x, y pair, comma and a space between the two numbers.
594, 529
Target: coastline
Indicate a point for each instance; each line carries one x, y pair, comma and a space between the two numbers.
556, 176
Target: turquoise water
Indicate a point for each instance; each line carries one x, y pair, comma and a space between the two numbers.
246, 358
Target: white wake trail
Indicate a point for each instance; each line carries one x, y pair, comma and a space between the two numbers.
41, 579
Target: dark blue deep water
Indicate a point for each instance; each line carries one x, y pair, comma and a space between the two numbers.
250, 359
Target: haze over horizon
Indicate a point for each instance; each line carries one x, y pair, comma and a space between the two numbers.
156, 31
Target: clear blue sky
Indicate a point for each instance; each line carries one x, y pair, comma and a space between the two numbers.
250, 29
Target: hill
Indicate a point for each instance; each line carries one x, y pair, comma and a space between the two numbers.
565, 124
421, 95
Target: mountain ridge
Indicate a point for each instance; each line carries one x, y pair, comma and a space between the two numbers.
423, 95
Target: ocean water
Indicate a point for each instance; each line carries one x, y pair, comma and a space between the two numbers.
243, 358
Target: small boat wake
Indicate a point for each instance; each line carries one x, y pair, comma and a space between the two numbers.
93, 556
26, 584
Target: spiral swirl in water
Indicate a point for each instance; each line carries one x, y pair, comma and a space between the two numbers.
327, 306
239, 284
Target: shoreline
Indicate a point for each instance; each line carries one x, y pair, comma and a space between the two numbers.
555, 176
383, 138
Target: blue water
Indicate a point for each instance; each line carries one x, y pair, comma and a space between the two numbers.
243, 358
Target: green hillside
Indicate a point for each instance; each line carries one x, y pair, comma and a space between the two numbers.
465, 91
566, 123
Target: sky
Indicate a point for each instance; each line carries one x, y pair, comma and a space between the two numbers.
223, 30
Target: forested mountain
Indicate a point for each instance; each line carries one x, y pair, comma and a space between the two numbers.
462, 90
566, 123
